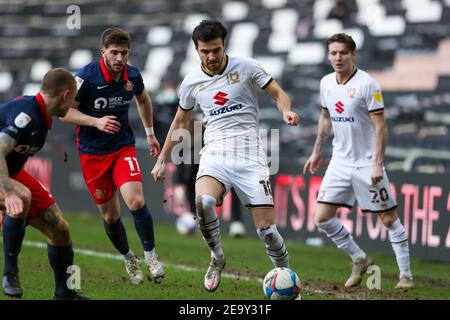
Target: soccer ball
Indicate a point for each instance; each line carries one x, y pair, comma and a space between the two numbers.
282, 284
186, 224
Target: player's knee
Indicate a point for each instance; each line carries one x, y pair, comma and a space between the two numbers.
388, 218
205, 202
110, 219
318, 219
136, 203
205, 205
60, 235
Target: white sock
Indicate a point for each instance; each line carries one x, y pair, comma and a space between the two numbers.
149, 254
399, 242
208, 223
129, 255
275, 246
342, 238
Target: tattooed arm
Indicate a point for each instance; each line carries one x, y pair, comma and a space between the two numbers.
12, 202
7, 144
323, 133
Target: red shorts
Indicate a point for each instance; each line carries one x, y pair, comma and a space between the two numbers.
41, 199
104, 173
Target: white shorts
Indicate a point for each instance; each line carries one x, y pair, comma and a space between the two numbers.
342, 185
249, 178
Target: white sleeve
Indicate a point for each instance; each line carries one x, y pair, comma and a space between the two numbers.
187, 101
374, 98
322, 95
258, 74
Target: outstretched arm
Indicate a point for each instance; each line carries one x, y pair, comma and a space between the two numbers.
145, 109
181, 121
381, 133
106, 124
323, 133
12, 202
283, 103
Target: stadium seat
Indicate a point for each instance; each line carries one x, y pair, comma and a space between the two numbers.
235, 10
242, 37
6, 80
403, 44
80, 58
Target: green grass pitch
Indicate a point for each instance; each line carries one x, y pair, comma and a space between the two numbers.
322, 270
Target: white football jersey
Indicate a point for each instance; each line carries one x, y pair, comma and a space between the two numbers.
229, 104
350, 105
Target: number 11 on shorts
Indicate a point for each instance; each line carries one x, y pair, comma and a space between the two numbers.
134, 165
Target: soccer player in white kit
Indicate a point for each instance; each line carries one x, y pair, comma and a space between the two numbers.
224, 88
352, 106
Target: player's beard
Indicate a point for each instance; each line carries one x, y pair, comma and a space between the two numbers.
111, 68
216, 66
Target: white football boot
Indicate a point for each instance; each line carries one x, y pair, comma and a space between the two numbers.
405, 283
155, 268
134, 272
359, 268
214, 273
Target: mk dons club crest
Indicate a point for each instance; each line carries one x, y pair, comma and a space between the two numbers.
233, 77
321, 195
351, 92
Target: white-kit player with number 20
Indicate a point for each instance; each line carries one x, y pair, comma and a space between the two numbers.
352, 106
225, 89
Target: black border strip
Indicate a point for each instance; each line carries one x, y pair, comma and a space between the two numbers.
259, 205
377, 110
267, 84
184, 108
379, 211
337, 204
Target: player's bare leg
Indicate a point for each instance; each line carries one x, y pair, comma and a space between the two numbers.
133, 196
325, 220
208, 192
399, 242
13, 233
59, 246
264, 219
115, 230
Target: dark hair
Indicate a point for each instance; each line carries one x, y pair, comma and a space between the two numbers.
209, 30
115, 36
57, 80
342, 38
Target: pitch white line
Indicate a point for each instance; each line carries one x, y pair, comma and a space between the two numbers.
98, 254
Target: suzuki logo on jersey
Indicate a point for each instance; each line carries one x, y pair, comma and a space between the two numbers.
220, 98
342, 119
339, 107
226, 109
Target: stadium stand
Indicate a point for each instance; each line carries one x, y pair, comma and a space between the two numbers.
404, 44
